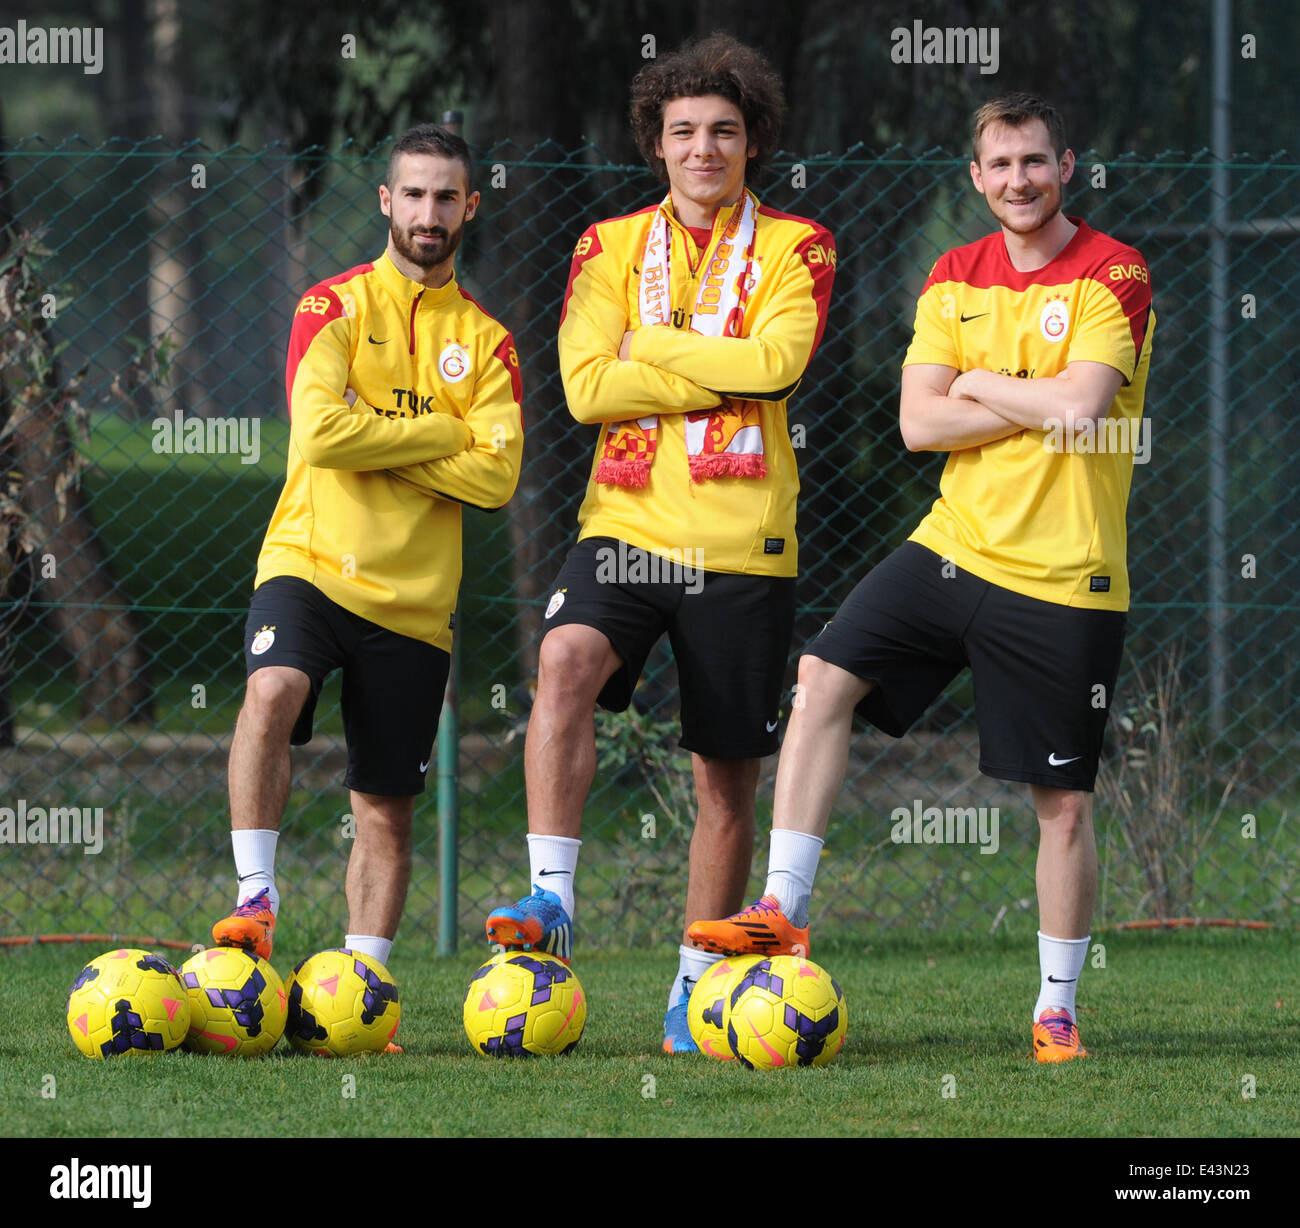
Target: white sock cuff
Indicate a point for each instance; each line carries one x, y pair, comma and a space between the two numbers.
1049, 938
796, 843
370, 944
558, 841
254, 851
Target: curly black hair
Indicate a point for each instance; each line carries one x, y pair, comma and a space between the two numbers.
718, 64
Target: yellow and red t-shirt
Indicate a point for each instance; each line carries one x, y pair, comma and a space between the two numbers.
404, 403
740, 524
1045, 521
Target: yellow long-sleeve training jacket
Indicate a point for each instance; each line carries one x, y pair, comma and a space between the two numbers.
404, 403
742, 525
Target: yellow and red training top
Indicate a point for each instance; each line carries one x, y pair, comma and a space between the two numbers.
738, 524
1036, 512
404, 404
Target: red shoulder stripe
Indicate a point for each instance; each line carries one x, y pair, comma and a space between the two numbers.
509, 356
588, 246
315, 309
818, 252
1129, 280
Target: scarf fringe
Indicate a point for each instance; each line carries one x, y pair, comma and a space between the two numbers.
727, 465
635, 473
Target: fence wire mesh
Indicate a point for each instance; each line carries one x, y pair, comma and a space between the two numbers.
148, 289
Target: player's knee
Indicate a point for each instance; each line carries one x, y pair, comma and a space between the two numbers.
1066, 813
827, 688
274, 695
573, 666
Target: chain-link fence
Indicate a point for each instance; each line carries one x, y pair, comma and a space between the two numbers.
145, 326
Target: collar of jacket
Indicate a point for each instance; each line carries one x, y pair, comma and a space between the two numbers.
722, 216
404, 290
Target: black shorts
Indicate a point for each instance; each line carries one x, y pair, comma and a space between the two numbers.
1044, 674
730, 636
392, 685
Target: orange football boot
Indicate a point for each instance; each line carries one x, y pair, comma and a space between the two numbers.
1056, 1039
250, 927
760, 929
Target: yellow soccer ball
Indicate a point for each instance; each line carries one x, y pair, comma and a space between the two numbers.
522, 1003
127, 1001
785, 1011
238, 1005
706, 1012
341, 1003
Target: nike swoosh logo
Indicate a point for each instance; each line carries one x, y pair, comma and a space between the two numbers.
771, 725
424, 767
967, 319
371, 338
1058, 980
546, 873
1055, 762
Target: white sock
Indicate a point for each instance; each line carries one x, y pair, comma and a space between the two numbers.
791, 868
1060, 960
692, 963
370, 944
255, 864
552, 861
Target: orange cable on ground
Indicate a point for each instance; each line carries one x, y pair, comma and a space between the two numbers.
114, 939
1172, 923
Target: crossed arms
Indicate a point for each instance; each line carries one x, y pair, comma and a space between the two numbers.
943, 410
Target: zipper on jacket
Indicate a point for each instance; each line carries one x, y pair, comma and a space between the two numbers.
415, 302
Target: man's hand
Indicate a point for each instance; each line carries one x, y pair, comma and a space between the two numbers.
961, 386
1083, 390
625, 347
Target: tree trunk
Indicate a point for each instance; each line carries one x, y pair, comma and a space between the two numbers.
173, 252
11, 520
533, 106
91, 616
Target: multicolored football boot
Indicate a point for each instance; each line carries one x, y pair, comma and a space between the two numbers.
1056, 1039
677, 1028
760, 929
250, 927
537, 923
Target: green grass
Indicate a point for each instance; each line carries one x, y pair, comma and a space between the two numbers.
1176, 1022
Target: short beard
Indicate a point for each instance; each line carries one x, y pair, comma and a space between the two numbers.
1060, 200
422, 255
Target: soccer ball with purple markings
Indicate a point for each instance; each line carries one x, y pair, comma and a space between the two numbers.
522, 1003
127, 1001
707, 1011
341, 1003
238, 1005
785, 1011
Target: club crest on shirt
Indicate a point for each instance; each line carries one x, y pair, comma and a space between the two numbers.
262, 641
453, 362
1054, 322
556, 601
